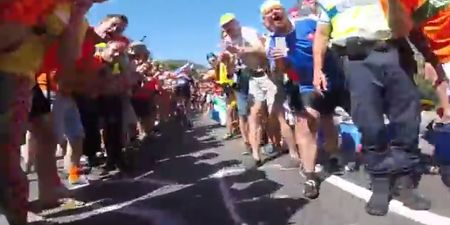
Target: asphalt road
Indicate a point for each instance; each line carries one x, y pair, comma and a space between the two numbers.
197, 179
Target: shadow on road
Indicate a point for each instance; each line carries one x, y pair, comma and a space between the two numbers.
172, 185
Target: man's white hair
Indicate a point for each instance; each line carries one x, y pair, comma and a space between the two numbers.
268, 4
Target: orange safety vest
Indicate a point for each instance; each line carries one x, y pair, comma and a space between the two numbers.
433, 18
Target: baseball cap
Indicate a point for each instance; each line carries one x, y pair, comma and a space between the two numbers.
226, 18
268, 4
210, 55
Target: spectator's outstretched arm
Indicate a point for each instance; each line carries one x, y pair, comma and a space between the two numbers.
399, 18
71, 42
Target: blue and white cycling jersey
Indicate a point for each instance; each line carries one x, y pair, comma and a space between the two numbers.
183, 80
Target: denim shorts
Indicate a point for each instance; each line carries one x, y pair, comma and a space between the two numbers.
242, 103
67, 120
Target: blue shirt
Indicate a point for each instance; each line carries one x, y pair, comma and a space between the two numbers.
300, 55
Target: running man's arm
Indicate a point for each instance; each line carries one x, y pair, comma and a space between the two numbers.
320, 48
321, 40
320, 45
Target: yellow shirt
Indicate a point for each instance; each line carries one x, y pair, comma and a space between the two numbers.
27, 59
223, 75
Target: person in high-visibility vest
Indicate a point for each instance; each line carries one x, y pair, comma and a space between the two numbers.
427, 23
431, 36
379, 85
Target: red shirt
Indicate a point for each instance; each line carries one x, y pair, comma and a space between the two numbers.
86, 63
147, 90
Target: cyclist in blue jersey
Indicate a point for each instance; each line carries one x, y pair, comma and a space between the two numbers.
290, 51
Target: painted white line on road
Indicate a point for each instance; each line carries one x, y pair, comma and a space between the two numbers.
31, 218
264, 197
225, 172
144, 175
196, 154
78, 186
424, 217
229, 201
143, 180
227, 198
74, 205
77, 217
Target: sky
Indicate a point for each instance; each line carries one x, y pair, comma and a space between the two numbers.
180, 29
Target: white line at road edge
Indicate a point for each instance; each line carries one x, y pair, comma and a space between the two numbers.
424, 217
72, 218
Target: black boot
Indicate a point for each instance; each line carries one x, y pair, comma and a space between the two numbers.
445, 175
378, 204
405, 192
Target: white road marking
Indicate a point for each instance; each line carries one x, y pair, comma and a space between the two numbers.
264, 197
227, 172
225, 192
160, 182
424, 217
78, 186
32, 217
77, 217
76, 204
144, 175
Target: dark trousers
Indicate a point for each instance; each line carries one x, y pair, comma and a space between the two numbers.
379, 85
112, 114
90, 117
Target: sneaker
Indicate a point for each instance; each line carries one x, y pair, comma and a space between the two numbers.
269, 151
228, 137
73, 174
311, 189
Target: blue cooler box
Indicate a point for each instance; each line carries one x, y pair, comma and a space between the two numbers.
350, 137
214, 115
441, 138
